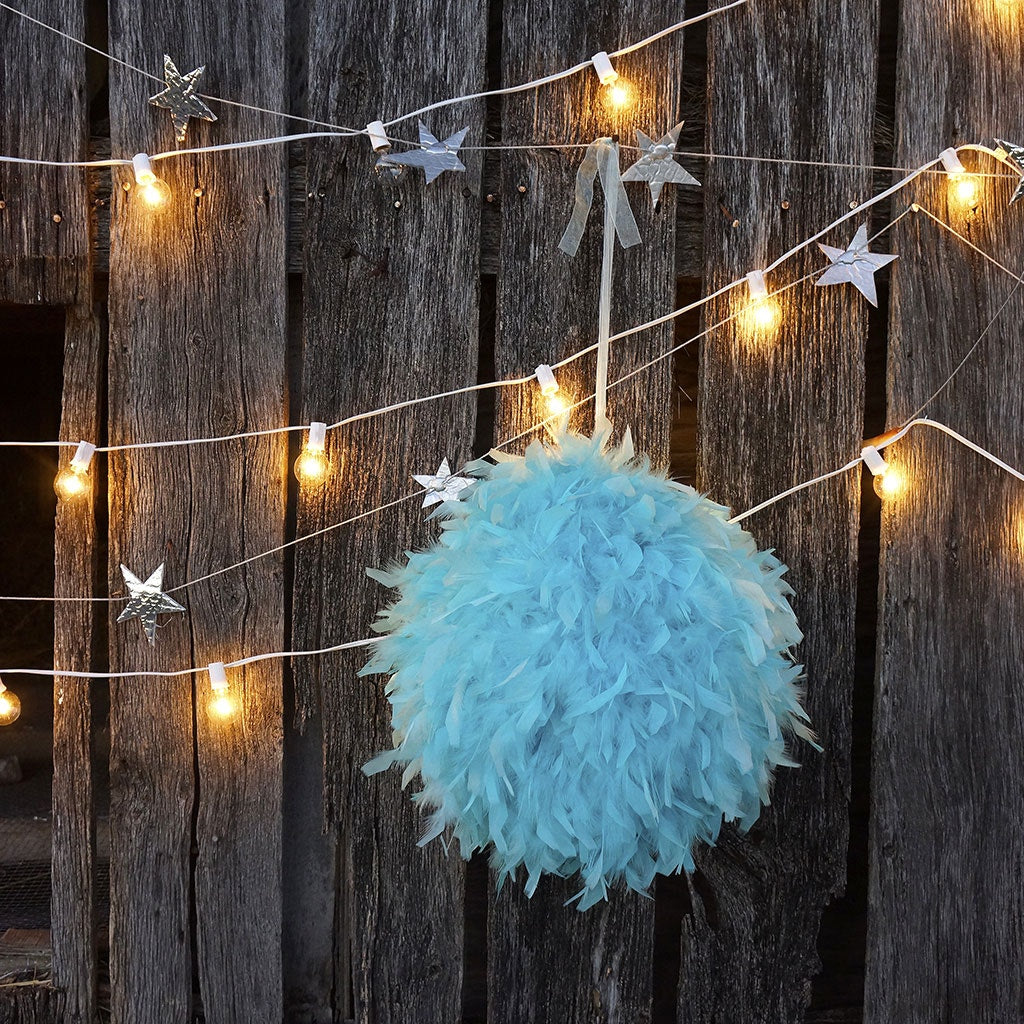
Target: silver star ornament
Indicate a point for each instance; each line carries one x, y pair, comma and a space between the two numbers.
433, 156
442, 486
181, 99
147, 600
855, 265
656, 166
1016, 154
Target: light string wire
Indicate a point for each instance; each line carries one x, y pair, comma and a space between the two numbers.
369, 641
536, 83
657, 321
914, 208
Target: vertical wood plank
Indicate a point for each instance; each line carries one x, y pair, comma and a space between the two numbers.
73, 911
945, 901
45, 211
777, 408
391, 311
197, 348
548, 962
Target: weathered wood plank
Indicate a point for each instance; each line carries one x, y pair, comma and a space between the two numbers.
391, 312
945, 902
44, 211
73, 911
31, 1004
547, 962
197, 348
777, 408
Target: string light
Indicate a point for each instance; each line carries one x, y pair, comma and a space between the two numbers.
963, 186
556, 403
153, 191
886, 480
10, 705
73, 481
221, 705
312, 467
616, 92
762, 312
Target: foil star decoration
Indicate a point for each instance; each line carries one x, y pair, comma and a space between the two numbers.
147, 600
181, 99
855, 264
1016, 154
656, 166
433, 156
442, 486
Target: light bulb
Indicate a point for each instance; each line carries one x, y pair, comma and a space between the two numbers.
71, 483
312, 467
964, 188
155, 193
618, 95
761, 315
10, 706
221, 705
73, 480
889, 484
557, 405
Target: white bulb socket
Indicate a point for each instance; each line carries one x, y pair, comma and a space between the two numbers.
218, 676
756, 284
144, 173
378, 136
546, 380
317, 439
603, 66
872, 458
83, 456
950, 160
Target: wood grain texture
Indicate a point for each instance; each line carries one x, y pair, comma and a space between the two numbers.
391, 311
73, 911
44, 211
197, 348
777, 408
36, 1004
946, 909
546, 961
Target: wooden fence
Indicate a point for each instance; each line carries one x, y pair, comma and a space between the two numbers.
252, 882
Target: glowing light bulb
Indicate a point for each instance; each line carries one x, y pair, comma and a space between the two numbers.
153, 191
617, 96
156, 193
221, 705
962, 185
557, 404
73, 480
312, 467
888, 484
10, 705
965, 189
762, 313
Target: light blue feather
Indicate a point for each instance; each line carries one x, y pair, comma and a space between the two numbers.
590, 668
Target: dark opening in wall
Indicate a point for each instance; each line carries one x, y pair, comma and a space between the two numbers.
32, 345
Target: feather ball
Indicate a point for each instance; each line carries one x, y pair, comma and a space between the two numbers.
590, 669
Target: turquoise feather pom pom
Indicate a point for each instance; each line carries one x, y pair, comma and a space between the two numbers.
590, 669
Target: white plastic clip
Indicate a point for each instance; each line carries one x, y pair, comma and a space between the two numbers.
317, 436
603, 66
218, 677
952, 163
144, 174
546, 380
83, 456
872, 458
378, 136
756, 284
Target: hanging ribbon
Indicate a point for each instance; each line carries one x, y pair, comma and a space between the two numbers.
602, 158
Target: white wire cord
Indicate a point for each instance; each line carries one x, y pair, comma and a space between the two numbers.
281, 655
341, 129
